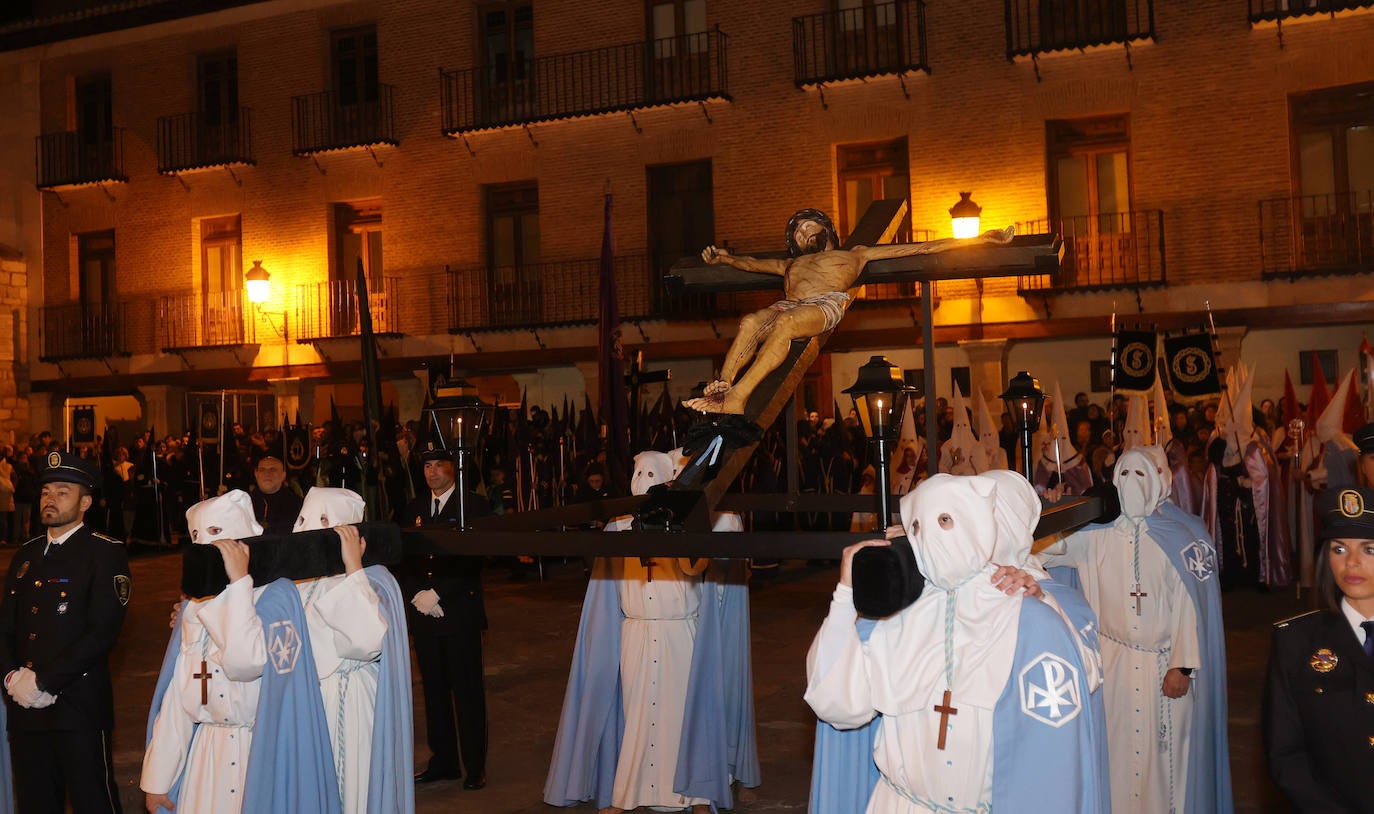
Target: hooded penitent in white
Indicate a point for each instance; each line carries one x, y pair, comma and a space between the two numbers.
226, 517
1137, 432
651, 469
993, 456
1058, 435
325, 507
1330, 426
1161, 424
958, 454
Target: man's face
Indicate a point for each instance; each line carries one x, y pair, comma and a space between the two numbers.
270, 475
1081, 400
62, 503
439, 475
809, 237
594, 481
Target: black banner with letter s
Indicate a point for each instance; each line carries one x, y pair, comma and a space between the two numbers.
1135, 361
1191, 360
83, 424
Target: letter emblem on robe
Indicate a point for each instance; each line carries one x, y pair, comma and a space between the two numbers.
283, 645
1200, 559
1054, 700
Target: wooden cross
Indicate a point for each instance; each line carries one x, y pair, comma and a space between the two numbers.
945, 711
1138, 594
204, 676
635, 381
648, 563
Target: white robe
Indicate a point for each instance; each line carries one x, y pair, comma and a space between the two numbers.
346, 632
211, 758
1147, 738
656, 640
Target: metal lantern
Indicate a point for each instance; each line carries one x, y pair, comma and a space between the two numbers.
258, 283
965, 216
457, 417
879, 396
1025, 402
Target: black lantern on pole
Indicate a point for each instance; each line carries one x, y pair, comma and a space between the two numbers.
879, 396
457, 417
1025, 402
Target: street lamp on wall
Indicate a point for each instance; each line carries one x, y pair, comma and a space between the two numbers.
258, 284
965, 216
879, 394
1025, 403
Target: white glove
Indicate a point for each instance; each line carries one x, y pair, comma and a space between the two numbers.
22, 685
427, 602
43, 701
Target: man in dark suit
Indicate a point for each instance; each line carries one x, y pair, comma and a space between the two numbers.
66, 596
447, 620
275, 504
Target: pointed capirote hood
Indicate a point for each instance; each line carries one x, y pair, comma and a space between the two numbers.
1163, 428
1059, 433
987, 426
962, 436
1330, 425
1136, 432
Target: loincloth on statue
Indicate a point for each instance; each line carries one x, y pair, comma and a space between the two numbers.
832, 304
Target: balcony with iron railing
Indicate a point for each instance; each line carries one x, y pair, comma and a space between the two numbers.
1317, 234
638, 75
193, 141
1118, 250
1041, 26
321, 122
68, 332
190, 321
856, 43
1276, 10
72, 158
330, 309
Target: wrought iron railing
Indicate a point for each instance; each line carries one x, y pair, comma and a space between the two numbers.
330, 309
1119, 250
82, 332
204, 320
68, 159
190, 142
1272, 10
885, 38
1317, 234
687, 68
872, 294
1038, 26
326, 121
538, 294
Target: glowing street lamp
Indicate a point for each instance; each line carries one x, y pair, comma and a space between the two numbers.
965, 216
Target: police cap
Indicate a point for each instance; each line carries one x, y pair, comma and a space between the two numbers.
434, 452
67, 467
1346, 513
1364, 439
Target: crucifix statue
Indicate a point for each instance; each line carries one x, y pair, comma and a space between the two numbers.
817, 278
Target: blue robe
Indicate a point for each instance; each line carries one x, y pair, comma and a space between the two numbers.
390, 785
1074, 754
714, 746
1084, 620
291, 764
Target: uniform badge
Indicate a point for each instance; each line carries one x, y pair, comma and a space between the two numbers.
1352, 504
61, 607
123, 585
23, 569
54, 459
1323, 661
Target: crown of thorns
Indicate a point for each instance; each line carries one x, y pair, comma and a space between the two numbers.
816, 215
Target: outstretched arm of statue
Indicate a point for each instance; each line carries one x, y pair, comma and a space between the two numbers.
714, 254
997, 237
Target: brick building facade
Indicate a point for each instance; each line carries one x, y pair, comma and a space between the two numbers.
1220, 152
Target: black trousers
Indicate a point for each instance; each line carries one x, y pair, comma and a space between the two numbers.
455, 701
51, 768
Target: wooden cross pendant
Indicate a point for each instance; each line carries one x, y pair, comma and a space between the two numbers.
1138, 594
204, 676
945, 711
648, 563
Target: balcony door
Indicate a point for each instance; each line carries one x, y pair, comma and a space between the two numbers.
864, 38
1090, 198
221, 263
1333, 135
217, 132
515, 289
96, 292
506, 40
356, 114
868, 173
678, 63
681, 221
357, 239
94, 127
1077, 23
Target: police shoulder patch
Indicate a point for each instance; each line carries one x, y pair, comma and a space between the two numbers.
107, 538
123, 585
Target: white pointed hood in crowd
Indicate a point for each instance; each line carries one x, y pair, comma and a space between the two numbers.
1235, 415
1142, 480
325, 507
1163, 423
1136, 432
1058, 434
989, 434
226, 517
1331, 424
961, 439
951, 526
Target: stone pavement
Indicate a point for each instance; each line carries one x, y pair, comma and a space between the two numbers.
533, 625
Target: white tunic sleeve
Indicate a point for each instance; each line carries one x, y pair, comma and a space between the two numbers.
1186, 647
352, 611
172, 730
1070, 551
236, 631
837, 686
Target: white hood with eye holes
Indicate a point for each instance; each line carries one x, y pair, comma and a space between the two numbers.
226, 517
1139, 483
950, 523
325, 507
651, 469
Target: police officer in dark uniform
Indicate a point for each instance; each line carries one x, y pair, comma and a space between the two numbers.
1319, 697
61, 612
447, 619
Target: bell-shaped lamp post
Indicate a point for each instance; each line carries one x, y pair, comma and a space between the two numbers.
1025, 402
879, 396
965, 216
457, 417
258, 282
